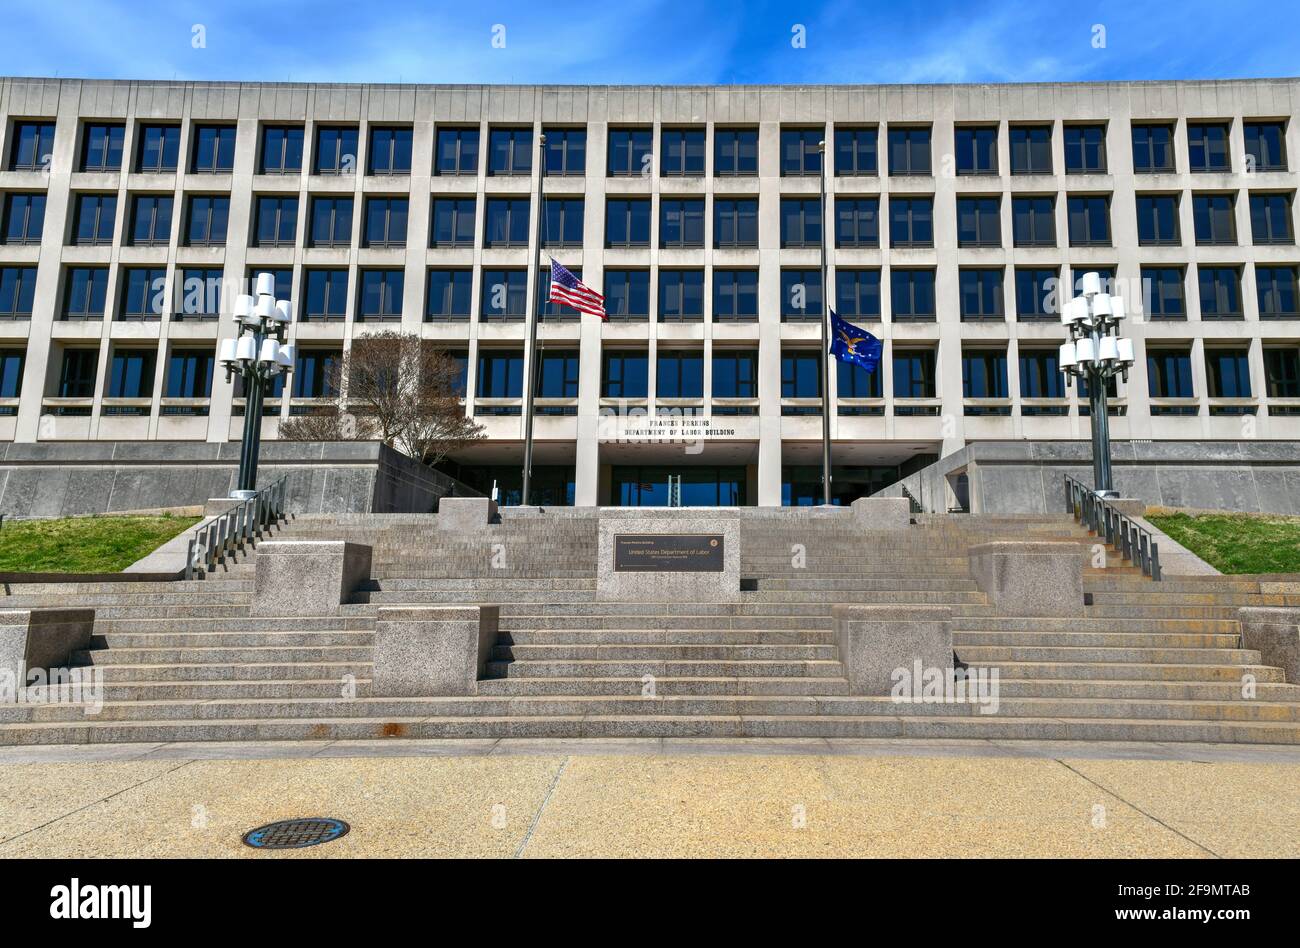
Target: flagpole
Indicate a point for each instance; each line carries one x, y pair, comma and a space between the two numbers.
826, 360
530, 355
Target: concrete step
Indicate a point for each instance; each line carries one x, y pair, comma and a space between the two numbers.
991, 654
249, 654
570, 652
1126, 671
229, 689
185, 640
665, 637
997, 623
239, 624
1097, 639
672, 668
338, 670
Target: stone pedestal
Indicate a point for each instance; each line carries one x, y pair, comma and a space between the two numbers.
668, 559
307, 577
882, 513
465, 514
1275, 634
41, 638
1030, 579
427, 652
874, 641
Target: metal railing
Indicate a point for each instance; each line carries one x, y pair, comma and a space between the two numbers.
913, 503
1119, 530
242, 525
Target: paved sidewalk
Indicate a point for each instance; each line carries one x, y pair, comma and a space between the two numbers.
658, 798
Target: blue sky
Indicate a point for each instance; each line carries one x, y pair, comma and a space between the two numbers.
652, 41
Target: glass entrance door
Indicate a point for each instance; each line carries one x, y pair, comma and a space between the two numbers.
644, 485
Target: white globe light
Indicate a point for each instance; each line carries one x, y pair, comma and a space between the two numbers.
226, 353
283, 311
1126, 351
266, 284
285, 356
1108, 350
1091, 283
270, 349
243, 306
1101, 305
1085, 351
246, 349
265, 308
1067, 357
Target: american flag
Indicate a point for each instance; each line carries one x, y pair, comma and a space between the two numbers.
568, 289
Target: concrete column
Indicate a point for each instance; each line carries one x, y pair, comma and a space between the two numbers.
307, 577
465, 514
875, 641
1030, 579
40, 638
430, 652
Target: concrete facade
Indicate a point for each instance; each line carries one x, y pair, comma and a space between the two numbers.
877, 431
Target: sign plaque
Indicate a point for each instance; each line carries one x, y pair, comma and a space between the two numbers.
668, 553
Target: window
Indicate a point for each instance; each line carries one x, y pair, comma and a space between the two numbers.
1270, 219
505, 294
681, 222
977, 150
855, 152
500, 373
981, 294
326, 294
151, 220
1085, 149
1213, 219
77, 373
198, 293
1162, 292
390, 150
24, 218
627, 222
912, 293
283, 277
331, 221
735, 152
547, 309
630, 151
11, 372
1036, 289
314, 372
857, 293
33, 146
979, 222
281, 149
909, 150
381, 294
214, 149
1089, 220
801, 222
456, 151
101, 147
1220, 292
735, 222
1031, 149
386, 221
453, 223
449, 295
566, 151
735, 373
1153, 148
681, 295
207, 218
94, 219
801, 294
557, 373
627, 294
911, 222
189, 373
1282, 372
507, 223
85, 291
510, 151
800, 154
683, 152
1040, 375
336, 149
679, 373
1207, 146
1033, 222
277, 220
857, 222
735, 295
801, 373
1227, 373
143, 292
1157, 220
1169, 373
1275, 288
1266, 145
624, 373
1106, 274
159, 149
17, 291
853, 381
914, 373
984, 375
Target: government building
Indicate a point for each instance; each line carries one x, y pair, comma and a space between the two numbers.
956, 219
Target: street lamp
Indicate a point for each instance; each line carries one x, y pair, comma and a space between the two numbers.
258, 354
1096, 354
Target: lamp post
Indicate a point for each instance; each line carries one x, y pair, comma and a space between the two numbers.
257, 354
1096, 354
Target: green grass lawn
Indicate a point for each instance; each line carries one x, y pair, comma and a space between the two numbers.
84, 544
1237, 543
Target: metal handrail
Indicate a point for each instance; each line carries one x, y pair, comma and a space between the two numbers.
1134, 543
242, 525
913, 503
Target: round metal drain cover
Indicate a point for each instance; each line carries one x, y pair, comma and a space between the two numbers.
295, 834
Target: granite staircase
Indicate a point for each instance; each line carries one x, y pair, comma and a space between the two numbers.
184, 661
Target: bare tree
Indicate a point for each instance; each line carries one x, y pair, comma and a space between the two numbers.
396, 388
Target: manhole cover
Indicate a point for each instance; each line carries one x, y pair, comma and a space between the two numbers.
295, 834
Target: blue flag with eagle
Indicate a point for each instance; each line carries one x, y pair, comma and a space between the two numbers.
851, 344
